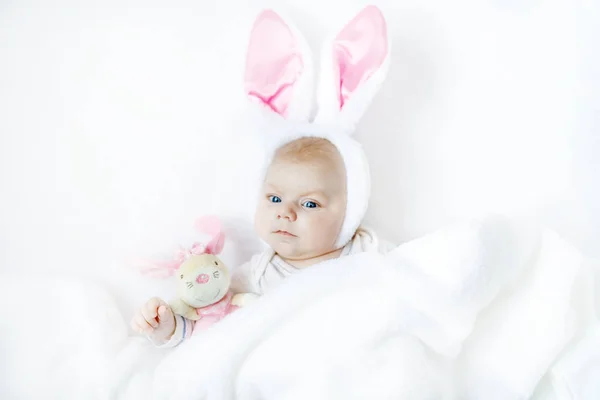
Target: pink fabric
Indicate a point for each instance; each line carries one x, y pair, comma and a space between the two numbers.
202, 279
164, 269
273, 63
157, 269
183, 253
215, 312
210, 225
359, 50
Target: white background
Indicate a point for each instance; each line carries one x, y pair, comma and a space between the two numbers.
116, 120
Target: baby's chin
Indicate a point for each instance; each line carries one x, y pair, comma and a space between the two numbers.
291, 253
285, 249
291, 248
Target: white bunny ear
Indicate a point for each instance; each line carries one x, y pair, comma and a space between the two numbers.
279, 69
354, 66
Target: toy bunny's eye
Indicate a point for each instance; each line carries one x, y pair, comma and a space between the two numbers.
216, 274
181, 276
216, 263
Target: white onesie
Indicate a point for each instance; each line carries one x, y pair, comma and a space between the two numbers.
266, 271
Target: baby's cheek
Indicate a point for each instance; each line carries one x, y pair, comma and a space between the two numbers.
260, 222
326, 231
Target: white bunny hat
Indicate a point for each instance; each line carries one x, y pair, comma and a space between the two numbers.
279, 77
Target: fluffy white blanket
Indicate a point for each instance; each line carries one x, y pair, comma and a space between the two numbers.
484, 310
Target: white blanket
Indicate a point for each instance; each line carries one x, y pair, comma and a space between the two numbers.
482, 310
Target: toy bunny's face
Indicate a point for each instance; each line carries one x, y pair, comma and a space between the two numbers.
202, 280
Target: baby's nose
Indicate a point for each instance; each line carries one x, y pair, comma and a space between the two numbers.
202, 278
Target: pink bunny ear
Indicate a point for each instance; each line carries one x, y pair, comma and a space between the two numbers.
278, 67
211, 225
216, 244
359, 50
355, 60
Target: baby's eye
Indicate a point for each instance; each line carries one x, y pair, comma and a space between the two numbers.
310, 204
181, 276
274, 199
216, 274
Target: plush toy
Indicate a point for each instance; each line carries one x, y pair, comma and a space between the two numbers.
202, 279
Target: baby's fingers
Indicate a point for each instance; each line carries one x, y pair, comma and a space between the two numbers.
164, 313
149, 314
139, 324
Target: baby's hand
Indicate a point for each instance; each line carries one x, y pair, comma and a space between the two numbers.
155, 319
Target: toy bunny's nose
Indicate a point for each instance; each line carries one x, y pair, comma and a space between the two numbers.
202, 278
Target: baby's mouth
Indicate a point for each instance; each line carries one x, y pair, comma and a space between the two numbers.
285, 233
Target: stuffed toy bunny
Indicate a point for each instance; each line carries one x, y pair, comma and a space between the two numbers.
202, 279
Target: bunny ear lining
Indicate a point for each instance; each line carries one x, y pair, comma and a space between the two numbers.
278, 71
353, 66
359, 51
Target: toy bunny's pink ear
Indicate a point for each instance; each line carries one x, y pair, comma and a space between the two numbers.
278, 67
211, 225
354, 65
216, 244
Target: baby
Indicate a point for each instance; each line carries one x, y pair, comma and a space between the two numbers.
315, 191
300, 213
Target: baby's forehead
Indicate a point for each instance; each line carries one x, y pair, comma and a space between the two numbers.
306, 177
293, 170
308, 149
309, 162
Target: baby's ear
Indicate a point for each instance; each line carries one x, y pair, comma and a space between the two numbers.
279, 71
354, 65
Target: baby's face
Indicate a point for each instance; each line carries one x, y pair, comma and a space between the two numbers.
302, 207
